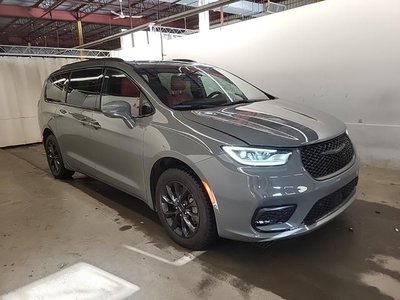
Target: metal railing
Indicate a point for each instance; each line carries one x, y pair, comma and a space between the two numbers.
171, 32
29, 51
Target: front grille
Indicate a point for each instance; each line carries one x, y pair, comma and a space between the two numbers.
330, 203
323, 159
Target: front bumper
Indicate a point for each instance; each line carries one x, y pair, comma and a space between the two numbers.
241, 190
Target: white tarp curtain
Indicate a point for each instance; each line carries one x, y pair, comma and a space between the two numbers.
21, 81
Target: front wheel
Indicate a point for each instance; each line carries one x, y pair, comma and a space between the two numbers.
54, 159
185, 210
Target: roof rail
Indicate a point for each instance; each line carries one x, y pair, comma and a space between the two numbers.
94, 59
112, 58
183, 60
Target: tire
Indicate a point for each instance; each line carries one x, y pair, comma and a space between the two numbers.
54, 159
192, 210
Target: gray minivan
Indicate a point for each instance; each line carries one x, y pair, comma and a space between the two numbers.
210, 152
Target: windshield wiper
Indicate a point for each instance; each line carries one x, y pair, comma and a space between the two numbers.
242, 102
193, 106
210, 105
237, 102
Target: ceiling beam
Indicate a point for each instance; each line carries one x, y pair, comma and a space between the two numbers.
49, 42
162, 21
15, 11
98, 8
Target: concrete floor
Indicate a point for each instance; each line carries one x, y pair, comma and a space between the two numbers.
48, 227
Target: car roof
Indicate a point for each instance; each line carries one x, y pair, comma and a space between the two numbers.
137, 63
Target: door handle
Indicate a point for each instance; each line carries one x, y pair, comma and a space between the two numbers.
63, 111
95, 125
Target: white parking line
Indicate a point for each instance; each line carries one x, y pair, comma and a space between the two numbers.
80, 282
387, 262
186, 258
386, 284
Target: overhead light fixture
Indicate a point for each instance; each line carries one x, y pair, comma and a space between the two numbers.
121, 14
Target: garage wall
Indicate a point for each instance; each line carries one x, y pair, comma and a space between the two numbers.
341, 56
142, 45
21, 81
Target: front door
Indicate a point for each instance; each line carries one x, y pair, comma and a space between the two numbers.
118, 152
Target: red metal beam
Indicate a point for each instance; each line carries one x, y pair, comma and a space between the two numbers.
51, 42
62, 15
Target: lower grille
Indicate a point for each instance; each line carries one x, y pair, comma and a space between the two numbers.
330, 203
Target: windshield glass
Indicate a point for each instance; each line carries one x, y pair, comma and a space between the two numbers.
188, 87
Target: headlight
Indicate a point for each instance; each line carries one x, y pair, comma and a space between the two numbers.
257, 156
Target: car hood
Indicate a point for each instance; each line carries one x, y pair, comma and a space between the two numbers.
274, 123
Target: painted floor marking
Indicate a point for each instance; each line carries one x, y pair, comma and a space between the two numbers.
385, 283
80, 281
186, 258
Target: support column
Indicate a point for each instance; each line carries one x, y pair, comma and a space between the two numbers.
221, 15
80, 34
204, 18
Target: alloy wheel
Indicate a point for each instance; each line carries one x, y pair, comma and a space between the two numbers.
180, 209
53, 156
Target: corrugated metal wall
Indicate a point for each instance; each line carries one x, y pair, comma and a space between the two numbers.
21, 81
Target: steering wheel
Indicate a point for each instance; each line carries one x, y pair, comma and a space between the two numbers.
214, 94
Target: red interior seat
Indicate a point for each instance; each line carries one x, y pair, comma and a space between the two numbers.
178, 94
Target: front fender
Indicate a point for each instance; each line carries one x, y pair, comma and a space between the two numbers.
162, 142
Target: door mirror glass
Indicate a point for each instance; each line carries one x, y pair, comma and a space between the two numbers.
119, 109
146, 109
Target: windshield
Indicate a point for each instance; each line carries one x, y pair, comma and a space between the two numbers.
187, 87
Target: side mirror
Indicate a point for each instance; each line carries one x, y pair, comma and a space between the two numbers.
121, 110
146, 110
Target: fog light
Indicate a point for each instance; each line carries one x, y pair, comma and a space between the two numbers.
273, 215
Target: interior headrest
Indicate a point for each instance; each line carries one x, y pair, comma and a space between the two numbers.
178, 83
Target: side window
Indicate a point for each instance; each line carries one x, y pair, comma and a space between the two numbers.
84, 88
118, 87
56, 87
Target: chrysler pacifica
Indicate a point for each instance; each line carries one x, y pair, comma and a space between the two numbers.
212, 154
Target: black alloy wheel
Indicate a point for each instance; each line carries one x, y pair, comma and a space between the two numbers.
185, 210
179, 209
55, 160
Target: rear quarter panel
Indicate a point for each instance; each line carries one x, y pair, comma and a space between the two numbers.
46, 112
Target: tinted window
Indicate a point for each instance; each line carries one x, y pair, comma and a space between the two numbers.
118, 87
56, 87
84, 88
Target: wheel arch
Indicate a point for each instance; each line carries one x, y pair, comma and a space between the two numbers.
168, 162
46, 133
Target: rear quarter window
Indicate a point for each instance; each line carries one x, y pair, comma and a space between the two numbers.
56, 87
84, 88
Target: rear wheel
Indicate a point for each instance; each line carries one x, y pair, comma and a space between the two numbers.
185, 210
54, 159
